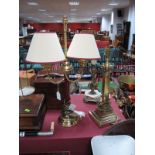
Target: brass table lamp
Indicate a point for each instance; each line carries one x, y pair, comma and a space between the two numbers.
83, 47
68, 117
45, 48
104, 114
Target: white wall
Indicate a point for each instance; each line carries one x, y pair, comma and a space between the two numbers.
131, 18
117, 20
128, 15
105, 23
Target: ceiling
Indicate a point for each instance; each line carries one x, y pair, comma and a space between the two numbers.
51, 11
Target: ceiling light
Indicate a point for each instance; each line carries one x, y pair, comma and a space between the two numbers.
114, 4
74, 3
105, 9
42, 10
98, 13
32, 3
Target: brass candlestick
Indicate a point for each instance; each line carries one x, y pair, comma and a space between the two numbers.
67, 118
104, 114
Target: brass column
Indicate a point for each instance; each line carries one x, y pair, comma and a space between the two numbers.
67, 118
103, 114
65, 21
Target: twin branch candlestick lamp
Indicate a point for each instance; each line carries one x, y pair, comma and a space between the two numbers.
103, 114
45, 49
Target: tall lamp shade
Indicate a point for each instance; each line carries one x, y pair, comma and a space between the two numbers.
83, 46
45, 48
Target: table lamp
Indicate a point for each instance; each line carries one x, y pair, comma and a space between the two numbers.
68, 117
83, 48
45, 49
104, 114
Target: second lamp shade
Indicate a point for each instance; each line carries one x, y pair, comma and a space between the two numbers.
83, 46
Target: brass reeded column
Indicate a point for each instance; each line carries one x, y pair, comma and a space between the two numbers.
104, 114
66, 67
67, 118
65, 21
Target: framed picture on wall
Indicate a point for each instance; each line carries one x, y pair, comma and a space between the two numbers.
119, 28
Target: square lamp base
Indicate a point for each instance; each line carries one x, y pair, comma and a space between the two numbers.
101, 120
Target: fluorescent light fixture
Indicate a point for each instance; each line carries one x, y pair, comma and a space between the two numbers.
32, 3
112, 18
113, 4
74, 3
98, 13
105, 9
42, 10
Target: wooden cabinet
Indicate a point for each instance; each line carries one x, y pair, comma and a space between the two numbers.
44, 86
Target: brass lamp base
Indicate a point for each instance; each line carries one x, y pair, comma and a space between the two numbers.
101, 118
69, 119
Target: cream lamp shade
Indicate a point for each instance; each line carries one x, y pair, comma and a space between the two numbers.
45, 48
83, 46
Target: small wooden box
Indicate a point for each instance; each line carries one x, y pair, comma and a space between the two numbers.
31, 112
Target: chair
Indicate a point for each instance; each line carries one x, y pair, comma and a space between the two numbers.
126, 127
118, 140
